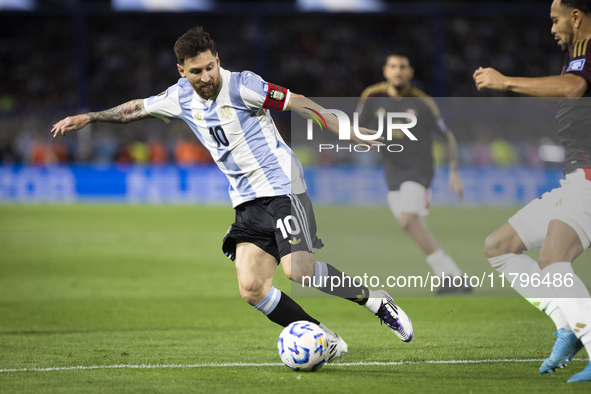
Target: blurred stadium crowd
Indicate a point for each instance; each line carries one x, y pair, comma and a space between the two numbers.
52, 65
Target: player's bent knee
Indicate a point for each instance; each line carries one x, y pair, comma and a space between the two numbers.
491, 246
253, 298
252, 292
496, 245
407, 221
299, 271
298, 265
499, 243
299, 276
544, 261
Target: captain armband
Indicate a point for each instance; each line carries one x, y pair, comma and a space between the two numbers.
277, 98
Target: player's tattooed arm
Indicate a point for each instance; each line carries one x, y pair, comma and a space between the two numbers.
125, 113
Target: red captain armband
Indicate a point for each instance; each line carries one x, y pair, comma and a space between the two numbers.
276, 98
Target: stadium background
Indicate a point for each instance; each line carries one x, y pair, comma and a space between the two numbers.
65, 57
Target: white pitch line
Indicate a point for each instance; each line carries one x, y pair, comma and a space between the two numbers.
226, 365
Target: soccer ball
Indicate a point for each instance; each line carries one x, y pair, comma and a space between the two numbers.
302, 346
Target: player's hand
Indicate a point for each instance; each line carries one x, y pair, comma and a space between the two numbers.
71, 123
373, 144
489, 78
455, 184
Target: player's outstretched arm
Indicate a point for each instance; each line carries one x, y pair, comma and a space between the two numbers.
332, 123
455, 182
130, 111
567, 85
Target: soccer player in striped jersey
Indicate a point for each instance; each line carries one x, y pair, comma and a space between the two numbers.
409, 172
560, 221
229, 113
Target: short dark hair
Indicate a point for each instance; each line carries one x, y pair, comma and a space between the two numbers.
192, 43
582, 5
399, 53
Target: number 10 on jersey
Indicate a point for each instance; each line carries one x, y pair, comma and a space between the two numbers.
219, 136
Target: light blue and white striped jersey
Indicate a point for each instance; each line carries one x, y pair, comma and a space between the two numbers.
239, 132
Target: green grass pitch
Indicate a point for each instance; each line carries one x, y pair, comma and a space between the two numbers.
142, 300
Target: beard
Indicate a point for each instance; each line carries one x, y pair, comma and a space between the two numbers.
564, 47
209, 93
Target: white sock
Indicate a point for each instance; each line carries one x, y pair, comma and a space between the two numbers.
320, 274
374, 301
574, 301
553, 311
328, 331
269, 302
512, 263
442, 264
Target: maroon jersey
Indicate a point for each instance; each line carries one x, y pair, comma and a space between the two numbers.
415, 162
574, 115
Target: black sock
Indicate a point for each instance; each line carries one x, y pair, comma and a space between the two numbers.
287, 311
346, 288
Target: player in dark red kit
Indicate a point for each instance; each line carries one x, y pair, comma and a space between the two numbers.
560, 221
409, 172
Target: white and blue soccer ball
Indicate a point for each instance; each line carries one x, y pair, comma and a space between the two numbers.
302, 346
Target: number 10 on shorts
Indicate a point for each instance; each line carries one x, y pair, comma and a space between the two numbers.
288, 226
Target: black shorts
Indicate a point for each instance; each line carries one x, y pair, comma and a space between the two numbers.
278, 225
397, 176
